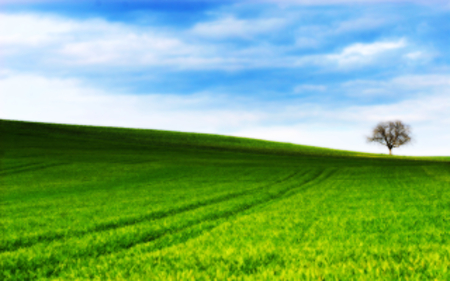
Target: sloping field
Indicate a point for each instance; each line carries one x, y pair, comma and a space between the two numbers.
108, 203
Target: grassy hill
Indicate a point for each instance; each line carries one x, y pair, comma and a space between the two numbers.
81, 202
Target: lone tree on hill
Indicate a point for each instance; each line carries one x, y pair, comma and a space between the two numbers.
391, 134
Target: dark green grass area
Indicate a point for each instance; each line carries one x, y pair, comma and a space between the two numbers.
81, 202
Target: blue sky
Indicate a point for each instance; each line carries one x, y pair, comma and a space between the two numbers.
320, 74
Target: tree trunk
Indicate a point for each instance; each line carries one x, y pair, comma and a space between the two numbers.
390, 151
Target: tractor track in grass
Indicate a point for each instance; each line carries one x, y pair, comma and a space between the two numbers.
3, 170
29, 168
28, 241
18, 210
324, 175
177, 237
110, 247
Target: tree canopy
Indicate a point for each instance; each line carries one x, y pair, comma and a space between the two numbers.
391, 134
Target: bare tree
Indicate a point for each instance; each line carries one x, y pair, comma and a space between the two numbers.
391, 134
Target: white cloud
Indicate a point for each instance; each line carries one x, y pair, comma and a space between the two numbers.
423, 81
26, 31
31, 97
227, 27
99, 42
126, 49
402, 86
316, 35
359, 53
61, 42
35, 98
58, 42
353, 56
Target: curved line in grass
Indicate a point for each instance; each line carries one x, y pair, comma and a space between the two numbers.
28, 241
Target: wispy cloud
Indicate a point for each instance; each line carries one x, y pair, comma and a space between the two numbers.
91, 41
400, 87
230, 27
98, 42
16, 34
360, 53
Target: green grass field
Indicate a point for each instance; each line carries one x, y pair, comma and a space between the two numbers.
82, 202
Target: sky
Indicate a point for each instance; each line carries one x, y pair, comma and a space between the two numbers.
321, 73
